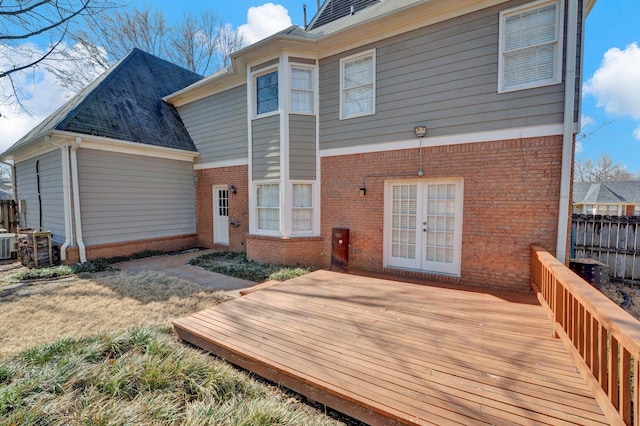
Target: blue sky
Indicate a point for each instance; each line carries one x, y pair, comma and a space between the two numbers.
613, 24
611, 103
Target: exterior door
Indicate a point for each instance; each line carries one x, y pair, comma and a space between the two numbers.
423, 225
221, 215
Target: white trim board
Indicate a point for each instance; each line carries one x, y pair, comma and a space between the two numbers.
222, 163
458, 139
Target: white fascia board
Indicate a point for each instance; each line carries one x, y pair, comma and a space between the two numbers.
125, 147
34, 148
458, 139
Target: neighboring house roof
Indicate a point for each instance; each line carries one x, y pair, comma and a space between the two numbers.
612, 192
125, 103
4, 195
332, 10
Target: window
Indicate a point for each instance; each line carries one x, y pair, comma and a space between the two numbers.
302, 211
530, 48
608, 210
357, 85
636, 211
268, 207
267, 93
302, 90
591, 209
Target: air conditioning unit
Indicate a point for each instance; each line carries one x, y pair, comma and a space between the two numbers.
7, 245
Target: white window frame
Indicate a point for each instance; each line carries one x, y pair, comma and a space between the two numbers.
257, 208
312, 70
343, 62
557, 68
608, 207
254, 95
312, 208
636, 210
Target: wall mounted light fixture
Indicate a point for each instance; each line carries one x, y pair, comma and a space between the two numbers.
232, 189
420, 131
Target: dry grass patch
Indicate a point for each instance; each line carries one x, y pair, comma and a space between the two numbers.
76, 307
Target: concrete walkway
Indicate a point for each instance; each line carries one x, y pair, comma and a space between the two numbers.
177, 266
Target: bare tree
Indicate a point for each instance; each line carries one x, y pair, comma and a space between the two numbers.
27, 25
199, 43
604, 169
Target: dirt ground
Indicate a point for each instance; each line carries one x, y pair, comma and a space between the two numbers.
611, 290
40, 312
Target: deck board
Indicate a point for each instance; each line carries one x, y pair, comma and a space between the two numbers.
389, 352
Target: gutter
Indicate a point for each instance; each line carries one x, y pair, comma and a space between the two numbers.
66, 190
76, 200
568, 132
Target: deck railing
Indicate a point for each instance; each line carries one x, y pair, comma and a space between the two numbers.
603, 339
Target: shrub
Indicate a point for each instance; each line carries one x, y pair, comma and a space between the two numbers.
42, 273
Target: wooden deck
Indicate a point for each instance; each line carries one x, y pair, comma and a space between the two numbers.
388, 352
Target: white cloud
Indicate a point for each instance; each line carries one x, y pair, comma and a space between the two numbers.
636, 133
586, 121
616, 84
265, 20
579, 147
39, 90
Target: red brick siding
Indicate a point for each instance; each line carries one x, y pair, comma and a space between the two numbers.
307, 251
511, 194
238, 205
127, 248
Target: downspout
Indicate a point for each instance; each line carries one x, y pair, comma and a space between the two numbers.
76, 200
567, 137
14, 191
66, 191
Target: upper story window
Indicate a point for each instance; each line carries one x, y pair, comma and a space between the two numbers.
530, 46
358, 85
636, 210
301, 90
267, 92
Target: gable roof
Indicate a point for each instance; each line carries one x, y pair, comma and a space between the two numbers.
125, 103
612, 192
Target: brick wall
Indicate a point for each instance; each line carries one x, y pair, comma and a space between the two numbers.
511, 195
238, 205
306, 251
127, 248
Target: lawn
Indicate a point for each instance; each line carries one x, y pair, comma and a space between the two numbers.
142, 376
99, 349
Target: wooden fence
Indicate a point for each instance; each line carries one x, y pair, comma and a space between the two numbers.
603, 339
612, 240
9, 216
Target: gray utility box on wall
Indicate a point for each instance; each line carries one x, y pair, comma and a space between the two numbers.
339, 249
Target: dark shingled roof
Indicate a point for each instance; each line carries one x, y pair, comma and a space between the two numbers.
611, 192
336, 9
125, 103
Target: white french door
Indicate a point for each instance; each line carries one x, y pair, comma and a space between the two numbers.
221, 215
423, 225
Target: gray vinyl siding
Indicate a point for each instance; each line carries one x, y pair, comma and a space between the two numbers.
302, 147
218, 125
51, 193
266, 148
127, 197
444, 76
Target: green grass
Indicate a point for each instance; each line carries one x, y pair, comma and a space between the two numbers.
237, 265
141, 376
42, 273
